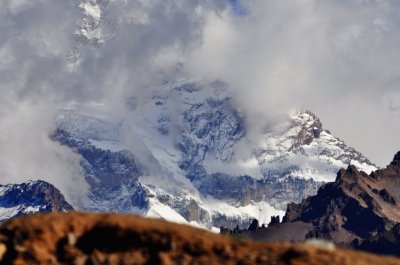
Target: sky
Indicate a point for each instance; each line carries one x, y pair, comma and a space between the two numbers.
339, 59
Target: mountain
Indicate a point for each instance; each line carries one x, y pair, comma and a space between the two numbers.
185, 155
357, 210
184, 151
87, 238
31, 197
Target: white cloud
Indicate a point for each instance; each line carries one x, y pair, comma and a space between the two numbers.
27, 152
54, 53
337, 58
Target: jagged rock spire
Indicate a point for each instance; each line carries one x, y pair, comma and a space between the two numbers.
396, 159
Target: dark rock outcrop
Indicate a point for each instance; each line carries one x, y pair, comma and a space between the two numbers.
274, 221
254, 225
357, 210
396, 160
387, 242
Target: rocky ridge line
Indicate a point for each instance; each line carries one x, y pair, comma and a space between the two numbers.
30, 197
358, 210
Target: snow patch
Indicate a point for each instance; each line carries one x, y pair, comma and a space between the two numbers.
262, 211
159, 210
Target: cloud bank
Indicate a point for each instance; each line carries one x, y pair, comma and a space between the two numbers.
337, 58
56, 53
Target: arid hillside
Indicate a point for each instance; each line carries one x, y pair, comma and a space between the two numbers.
82, 238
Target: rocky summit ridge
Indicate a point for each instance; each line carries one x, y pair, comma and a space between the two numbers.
358, 210
30, 197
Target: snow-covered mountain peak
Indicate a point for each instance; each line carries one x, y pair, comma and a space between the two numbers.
301, 128
30, 197
179, 152
303, 149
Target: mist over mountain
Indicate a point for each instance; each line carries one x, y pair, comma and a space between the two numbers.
126, 104
107, 55
186, 156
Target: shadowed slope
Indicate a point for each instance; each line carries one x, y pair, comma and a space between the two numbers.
357, 210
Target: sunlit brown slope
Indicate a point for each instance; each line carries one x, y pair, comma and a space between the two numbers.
80, 238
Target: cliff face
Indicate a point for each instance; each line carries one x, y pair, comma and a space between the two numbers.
78, 238
357, 210
357, 205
